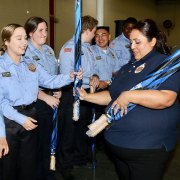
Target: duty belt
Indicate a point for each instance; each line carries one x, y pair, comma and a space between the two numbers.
24, 107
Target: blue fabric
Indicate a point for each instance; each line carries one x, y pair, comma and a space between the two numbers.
19, 85
106, 63
66, 57
144, 128
121, 45
45, 57
2, 127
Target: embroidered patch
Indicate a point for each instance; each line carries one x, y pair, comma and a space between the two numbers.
67, 50
36, 58
32, 67
6, 74
140, 68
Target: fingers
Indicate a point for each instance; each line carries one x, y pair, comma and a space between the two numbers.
4, 149
119, 108
30, 124
52, 101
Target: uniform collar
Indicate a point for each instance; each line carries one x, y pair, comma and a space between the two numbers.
124, 38
33, 48
9, 61
146, 58
99, 49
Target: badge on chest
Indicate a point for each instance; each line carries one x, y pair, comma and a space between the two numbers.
140, 68
32, 67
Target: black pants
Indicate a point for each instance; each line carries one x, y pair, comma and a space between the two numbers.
139, 164
73, 146
45, 115
21, 161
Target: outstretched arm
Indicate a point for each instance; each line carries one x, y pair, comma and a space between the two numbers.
101, 98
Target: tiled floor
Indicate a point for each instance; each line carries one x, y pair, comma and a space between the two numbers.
105, 170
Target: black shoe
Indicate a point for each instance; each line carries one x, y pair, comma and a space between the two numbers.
67, 175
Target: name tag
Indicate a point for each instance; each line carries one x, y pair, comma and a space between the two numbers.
6, 74
98, 58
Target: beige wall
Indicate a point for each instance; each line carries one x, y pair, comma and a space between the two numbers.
16, 11
64, 12
170, 11
120, 10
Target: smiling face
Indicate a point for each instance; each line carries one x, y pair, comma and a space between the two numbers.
39, 36
140, 45
102, 38
17, 44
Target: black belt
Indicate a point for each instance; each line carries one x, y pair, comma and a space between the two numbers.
24, 107
49, 92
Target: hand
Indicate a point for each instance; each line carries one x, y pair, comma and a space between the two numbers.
51, 100
121, 103
103, 84
78, 74
57, 94
82, 93
94, 81
29, 124
4, 149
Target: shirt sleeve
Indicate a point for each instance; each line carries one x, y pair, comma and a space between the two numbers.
8, 111
66, 57
2, 127
172, 83
52, 81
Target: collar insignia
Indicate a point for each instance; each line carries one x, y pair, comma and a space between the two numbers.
140, 68
128, 46
50, 52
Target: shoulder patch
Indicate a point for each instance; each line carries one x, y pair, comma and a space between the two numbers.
66, 50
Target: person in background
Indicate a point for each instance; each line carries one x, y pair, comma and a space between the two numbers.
37, 33
106, 63
73, 141
19, 82
143, 140
106, 66
121, 44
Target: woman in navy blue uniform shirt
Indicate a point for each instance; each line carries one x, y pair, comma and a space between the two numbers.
141, 142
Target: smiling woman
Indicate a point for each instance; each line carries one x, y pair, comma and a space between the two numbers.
19, 80
142, 141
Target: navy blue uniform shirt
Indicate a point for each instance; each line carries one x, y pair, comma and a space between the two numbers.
144, 128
